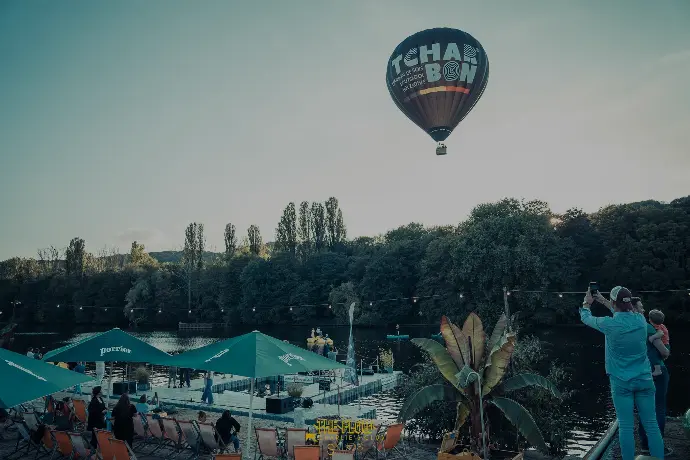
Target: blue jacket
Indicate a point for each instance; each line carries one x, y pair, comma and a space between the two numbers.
626, 343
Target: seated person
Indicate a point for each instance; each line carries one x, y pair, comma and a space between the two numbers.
228, 428
142, 407
201, 417
64, 415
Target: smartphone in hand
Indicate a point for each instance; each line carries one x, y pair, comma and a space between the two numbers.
593, 287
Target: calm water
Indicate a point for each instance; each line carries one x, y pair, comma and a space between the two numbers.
578, 348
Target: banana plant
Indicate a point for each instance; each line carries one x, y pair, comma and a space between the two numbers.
467, 351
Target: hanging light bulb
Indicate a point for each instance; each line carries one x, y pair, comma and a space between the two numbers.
132, 310
414, 299
330, 307
58, 305
560, 295
253, 308
106, 308
462, 295
222, 310
290, 308
159, 310
190, 312
371, 303
81, 308
508, 293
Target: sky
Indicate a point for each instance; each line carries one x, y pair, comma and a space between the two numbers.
127, 120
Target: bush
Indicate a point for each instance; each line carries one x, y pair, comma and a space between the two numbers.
141, 374
295, 390
431, 423
550, 414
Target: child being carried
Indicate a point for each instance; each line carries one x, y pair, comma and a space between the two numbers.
656, 319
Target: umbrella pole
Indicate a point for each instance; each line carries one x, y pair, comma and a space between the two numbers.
110, 385
249, 425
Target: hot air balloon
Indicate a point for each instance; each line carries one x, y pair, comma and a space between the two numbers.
435, 77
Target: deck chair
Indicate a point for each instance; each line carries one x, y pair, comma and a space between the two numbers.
366, 444
104, 449
227, 457
344, 454
121, 450
174, 434
158, 434
82, 447
192, 437
209, 440
31, 420
389, 446
80, 411
294, 437
25, 444
327, 441
47, 446
267, 443
141, 436
307, 452
63, 444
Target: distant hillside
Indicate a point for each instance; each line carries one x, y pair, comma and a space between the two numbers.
176, 256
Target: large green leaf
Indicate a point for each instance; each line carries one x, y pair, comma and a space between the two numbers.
422, 398
456, 342
522, 420
520, 381
497, 333
474, 331
497, 363
441, 358
463, 411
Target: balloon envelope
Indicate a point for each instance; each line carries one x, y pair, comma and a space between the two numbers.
435, 78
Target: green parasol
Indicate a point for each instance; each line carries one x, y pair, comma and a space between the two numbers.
113, 345
25, 379
254, 355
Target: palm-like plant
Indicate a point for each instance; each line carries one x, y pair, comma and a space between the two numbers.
467, 349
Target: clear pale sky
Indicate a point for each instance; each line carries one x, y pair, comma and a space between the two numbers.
128, 120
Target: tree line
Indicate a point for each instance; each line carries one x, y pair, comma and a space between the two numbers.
411, 274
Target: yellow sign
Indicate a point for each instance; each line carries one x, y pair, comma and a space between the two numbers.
348, 431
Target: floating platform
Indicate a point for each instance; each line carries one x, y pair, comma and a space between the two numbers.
232, 393
398, 337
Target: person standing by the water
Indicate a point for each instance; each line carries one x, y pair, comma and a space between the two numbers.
96, 414
172, 375
100, 371
657, 352
628, 368
81, 369
207, 395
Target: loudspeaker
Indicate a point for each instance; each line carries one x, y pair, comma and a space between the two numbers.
124, 387
278, 404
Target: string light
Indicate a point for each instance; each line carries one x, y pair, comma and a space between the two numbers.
414, 299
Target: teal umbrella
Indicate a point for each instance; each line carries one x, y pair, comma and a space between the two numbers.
254, 355
113, 345
25, 379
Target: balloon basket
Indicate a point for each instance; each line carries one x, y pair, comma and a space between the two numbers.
441, 149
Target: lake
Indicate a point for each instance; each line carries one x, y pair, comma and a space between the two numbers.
580, 349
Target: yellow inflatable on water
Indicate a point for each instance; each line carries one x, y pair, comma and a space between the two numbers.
311, 341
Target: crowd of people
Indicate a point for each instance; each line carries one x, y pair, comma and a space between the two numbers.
635, 353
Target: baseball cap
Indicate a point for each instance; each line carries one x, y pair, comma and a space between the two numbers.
622, 296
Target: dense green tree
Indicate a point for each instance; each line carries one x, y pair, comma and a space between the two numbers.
74, 257
255, 241
286, 233
409, 274
230, 241
318, 226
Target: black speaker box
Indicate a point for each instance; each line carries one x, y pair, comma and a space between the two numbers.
278, 404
